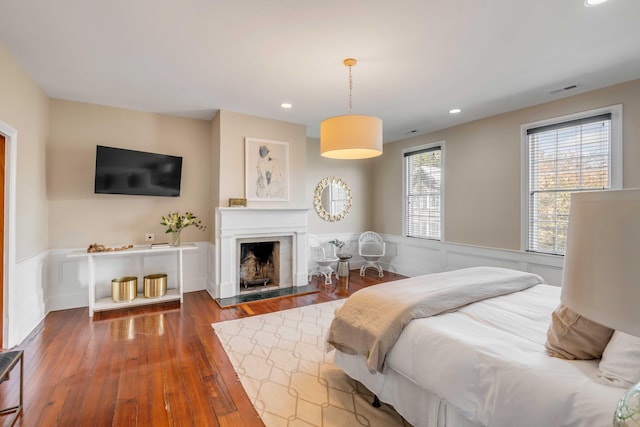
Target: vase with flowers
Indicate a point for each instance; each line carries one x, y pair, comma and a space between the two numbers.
175, 223
339, 244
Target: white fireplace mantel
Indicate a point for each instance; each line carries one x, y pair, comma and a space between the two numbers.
243, 223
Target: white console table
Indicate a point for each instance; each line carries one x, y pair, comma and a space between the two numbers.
103, 304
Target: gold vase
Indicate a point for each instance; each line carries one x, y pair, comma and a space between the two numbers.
124, 289
155, 285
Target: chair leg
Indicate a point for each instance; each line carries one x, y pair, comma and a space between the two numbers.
372, 265
327, 278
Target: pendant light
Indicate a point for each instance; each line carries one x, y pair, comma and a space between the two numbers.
351, 136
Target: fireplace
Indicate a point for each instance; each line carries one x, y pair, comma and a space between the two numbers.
258, 248
259, 265
264, 263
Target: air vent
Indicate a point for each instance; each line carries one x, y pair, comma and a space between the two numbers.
564, 89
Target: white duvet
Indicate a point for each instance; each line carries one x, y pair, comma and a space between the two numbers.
488, 360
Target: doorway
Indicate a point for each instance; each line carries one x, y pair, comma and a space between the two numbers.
9, 157
2, 168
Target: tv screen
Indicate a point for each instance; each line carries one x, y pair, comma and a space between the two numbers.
120, 171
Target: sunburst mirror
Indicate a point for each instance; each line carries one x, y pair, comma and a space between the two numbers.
332, 199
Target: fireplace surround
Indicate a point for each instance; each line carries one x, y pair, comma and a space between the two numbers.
241, 225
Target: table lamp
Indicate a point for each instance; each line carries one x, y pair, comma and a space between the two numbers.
601, 276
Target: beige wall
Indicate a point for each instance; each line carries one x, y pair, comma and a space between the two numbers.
24, 107
356, 174
56, 155
482, 168
234, 127
215, 171
78, 217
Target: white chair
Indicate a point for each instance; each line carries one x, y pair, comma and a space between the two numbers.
321, 257
371, 247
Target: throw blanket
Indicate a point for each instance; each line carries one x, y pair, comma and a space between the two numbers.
371, 319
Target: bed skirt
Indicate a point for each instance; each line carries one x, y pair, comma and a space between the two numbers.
418, 406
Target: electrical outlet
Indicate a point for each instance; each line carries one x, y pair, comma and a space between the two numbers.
149, 237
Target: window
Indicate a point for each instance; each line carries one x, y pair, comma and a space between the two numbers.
576, 153
423, 191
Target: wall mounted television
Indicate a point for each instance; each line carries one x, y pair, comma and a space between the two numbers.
121, 171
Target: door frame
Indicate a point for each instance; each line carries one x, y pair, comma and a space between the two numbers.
11, 155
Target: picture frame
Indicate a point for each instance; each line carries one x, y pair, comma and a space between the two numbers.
266, 170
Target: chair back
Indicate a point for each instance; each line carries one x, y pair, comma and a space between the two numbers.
329, 250
320, 251
316, 253
371, 243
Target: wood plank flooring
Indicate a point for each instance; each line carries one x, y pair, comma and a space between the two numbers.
154, 366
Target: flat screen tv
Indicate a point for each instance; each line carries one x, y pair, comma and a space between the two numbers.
120, 171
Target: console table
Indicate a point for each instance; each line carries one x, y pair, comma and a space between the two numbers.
106, 303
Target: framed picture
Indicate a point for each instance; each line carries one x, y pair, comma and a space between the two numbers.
266, 170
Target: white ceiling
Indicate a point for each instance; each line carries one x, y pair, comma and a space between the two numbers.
417, 58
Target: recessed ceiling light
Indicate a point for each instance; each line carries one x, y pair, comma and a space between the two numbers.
454, 111
286, 105
591, 3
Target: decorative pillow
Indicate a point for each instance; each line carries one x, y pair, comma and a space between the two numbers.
620, 364
571, 336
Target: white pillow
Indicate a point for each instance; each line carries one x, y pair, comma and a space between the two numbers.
620, 364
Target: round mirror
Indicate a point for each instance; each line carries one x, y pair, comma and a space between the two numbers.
332, 199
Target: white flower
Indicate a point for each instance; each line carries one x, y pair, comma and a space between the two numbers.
176, 222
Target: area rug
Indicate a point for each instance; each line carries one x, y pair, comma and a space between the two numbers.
281, 361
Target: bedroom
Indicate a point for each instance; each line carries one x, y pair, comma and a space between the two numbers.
60, 214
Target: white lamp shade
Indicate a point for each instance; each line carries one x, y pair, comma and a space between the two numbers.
351, 137
601, 277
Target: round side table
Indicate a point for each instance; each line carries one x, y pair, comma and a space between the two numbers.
343, 265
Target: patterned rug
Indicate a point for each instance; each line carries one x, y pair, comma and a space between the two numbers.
291, 381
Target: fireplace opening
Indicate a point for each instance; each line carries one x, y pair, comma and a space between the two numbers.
259, 266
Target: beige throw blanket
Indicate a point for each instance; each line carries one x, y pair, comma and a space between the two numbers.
371, 319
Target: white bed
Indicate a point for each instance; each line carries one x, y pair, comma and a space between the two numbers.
485, 365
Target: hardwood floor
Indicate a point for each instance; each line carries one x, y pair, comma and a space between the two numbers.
147, 366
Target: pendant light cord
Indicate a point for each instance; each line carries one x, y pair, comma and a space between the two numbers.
350, 89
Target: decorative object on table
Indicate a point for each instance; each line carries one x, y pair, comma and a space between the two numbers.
124, 289
351, 136
175, 223
233, 203
601, 275
94, 247
339, 244
371, 247
332, 199
267, 170
155, 285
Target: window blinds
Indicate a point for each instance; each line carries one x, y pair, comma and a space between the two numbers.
423, 193
564, 158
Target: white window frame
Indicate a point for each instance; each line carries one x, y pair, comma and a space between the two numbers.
615, 158
440, 144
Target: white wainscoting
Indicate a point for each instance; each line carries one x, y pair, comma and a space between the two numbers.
52, 281
414, 257
26, 302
